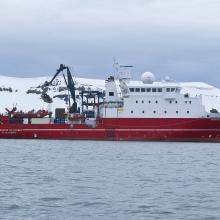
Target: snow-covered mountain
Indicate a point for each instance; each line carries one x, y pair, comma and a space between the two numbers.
24, 93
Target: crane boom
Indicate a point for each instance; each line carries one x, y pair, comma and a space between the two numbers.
69, 83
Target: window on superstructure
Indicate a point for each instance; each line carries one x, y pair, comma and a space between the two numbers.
131, 111
176, 102
142, 89
131, 89
149, 101
190, 102
111, 93
142, 101
207, 116
165, 112
136, 101
186, 102
177, 112
170, 102
172, 89
148, 90
154, 90
154, 112
137, 89
187, 112
159, 89
167, 89
156, 102
143, 111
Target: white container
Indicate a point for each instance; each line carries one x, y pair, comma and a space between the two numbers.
25, 121
40, 120
90, 122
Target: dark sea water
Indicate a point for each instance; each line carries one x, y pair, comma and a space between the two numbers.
109, 180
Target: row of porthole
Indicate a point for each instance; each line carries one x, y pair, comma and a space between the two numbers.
148, 101
157, 102
165, 112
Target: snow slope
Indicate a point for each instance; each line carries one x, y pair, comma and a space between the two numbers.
13, 92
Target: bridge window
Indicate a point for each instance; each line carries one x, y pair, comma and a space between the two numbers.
167, 89
159, 89
131, 89
148, 90
111, 93
172, 89
154, 89
137, 90
142, 89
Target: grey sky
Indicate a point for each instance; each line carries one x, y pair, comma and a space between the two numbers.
168, 37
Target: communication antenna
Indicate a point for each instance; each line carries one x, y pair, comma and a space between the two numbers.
122, 71
116, 67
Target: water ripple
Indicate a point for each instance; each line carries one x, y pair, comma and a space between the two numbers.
51, 199
109, 180
14, 206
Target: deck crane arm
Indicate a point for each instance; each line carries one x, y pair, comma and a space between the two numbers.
69, 83
62, 67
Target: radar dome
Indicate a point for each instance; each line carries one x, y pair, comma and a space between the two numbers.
147, 78
167, 78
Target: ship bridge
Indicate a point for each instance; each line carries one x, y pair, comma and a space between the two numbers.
156, 88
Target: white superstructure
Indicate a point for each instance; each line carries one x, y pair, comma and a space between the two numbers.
164, 99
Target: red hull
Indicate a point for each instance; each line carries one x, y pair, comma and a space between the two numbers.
202, 130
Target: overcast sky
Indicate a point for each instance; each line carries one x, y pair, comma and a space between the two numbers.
179, 38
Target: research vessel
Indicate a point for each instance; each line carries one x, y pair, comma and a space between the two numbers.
145, 110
